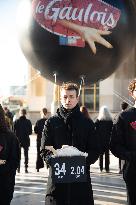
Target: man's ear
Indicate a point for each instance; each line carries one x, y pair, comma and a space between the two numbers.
131, 94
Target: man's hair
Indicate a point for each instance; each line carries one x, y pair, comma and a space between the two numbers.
44, 110
124, 105
3, 123
132, 86
23, 111
70, 86
85, 112
5, 109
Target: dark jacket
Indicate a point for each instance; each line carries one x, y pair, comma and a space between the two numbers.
9, 151
103, 131
71, 129
23, 128
123, 141
38, 129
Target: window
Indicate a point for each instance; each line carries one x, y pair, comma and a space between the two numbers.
90, 97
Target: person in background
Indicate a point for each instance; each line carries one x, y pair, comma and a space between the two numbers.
9, 160
22, 129
123, 144
70, 127
9, 123
85, 112
38, 128
9, 118
8, 113
123, 106
104, 125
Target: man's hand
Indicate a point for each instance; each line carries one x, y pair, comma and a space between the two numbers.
51, 148
46, 155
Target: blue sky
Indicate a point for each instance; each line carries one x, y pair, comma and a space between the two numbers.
13, 65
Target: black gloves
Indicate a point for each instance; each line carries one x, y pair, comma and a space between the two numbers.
46, 155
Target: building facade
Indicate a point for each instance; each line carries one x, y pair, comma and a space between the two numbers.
110, 92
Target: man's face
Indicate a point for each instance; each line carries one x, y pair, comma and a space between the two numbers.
134, 93
68, 99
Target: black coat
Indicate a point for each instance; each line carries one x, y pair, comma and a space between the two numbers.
23, 128
123, 141
103, 131
38, 129
71, 129
9, 151
123, 146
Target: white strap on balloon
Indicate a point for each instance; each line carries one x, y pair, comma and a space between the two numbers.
82, 83
55, 77
123, 98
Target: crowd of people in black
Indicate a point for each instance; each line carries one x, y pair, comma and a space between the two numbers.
72, 126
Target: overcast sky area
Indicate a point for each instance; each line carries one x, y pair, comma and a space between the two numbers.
13, 65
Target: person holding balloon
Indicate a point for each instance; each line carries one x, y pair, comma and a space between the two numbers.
123, 144
69, 127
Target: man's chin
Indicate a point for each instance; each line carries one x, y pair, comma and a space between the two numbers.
68, 107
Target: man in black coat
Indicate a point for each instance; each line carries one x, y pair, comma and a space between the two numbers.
22, 129
123, 144
123, 106
38, 128
70, 127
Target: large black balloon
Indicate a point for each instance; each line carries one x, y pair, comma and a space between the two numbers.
44, 53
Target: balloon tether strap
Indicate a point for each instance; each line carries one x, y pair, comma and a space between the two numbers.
82, 83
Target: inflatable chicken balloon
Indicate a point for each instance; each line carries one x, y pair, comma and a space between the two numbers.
75, 38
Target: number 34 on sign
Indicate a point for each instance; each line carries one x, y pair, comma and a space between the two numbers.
68, 169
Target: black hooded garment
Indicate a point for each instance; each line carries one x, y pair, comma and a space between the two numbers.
70, 128
123, 140
22, 129
123, 146
9, 151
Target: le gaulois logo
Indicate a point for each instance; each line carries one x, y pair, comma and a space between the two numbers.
51, 14
133, 125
